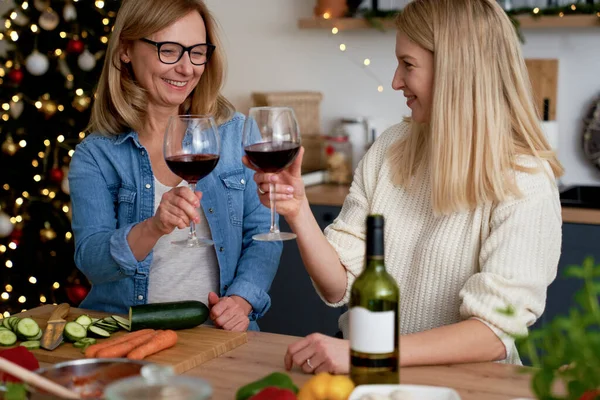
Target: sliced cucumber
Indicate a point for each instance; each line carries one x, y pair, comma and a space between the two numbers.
3, 328
74, 331
28, 328
31, 344
85, 342
84, 320
38, 336
7, 338
126, 327
97, 331
13, 321
106, 326
6, 323
121, 320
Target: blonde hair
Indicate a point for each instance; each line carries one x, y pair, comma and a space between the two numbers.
120, 102
483, 115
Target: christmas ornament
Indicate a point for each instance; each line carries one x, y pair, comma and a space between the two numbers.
6, 227
37, 63
16, 108
76, 293
41, 5
20, 18
86, 61
16, 75
16, 235
49, 19
56, 174
9, 146
81, 103
47, 233
48, 106
75, 46
69, 12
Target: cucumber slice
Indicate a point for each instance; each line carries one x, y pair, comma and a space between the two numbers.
120, 320
13, 321
38, 336
3, 328
7, 338
31, 344
74, 331
85, 342
84, 320
126, 327
172, 315
6, 323
99, 331
28, 328
109, 320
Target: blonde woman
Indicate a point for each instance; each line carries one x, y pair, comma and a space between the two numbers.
164, 59
466, 185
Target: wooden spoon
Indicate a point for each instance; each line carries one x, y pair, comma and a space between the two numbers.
36, 380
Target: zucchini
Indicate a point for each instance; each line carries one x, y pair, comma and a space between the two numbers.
7, 338
100, 332
31, 344
84, 320
28, 328
172, 315
74, 331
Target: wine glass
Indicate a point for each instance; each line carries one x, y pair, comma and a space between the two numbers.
271, 140
191, 150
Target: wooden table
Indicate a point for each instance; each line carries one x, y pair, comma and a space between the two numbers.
264, 353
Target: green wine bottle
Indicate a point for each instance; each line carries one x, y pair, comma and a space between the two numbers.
374, 316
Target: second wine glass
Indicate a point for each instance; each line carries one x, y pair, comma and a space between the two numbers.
191, 149
272, 141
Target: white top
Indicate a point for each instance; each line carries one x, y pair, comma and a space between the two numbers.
455, 267
180, 273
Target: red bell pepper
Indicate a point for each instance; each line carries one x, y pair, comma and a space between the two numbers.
274, 393
21, 356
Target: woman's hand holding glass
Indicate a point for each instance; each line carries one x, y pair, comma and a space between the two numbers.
289, 187
178, 207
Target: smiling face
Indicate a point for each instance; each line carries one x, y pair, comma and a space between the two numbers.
414, 76
167, 85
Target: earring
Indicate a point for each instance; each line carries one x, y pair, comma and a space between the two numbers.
125, 60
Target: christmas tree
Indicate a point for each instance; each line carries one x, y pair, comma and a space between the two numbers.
55, 52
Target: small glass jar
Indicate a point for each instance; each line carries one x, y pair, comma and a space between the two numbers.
158, 383
338, 156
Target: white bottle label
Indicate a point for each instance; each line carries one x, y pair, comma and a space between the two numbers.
372, 332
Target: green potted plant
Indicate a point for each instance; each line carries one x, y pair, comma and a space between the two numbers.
566, 352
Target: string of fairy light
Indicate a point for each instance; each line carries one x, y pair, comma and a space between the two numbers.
44, 104
366, 62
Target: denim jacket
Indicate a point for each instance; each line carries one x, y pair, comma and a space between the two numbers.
112, 189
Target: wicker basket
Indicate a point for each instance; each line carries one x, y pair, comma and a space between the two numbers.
305, 105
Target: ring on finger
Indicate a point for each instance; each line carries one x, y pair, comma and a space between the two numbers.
309, 364
262, 192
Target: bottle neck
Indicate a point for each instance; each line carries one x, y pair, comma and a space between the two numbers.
375, 264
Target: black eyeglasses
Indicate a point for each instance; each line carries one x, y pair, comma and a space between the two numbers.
171, 52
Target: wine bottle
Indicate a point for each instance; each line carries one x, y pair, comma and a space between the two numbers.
374, 316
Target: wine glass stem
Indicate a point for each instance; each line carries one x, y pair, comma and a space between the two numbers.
192, 235
272, 195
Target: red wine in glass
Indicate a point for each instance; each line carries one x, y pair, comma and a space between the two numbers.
272, 157
191, 150
271, 141
192, 167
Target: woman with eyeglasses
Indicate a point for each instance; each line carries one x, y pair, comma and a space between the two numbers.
164, 59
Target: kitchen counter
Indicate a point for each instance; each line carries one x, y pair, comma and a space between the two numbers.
334, 195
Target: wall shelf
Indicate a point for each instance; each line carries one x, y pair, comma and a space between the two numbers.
527, 22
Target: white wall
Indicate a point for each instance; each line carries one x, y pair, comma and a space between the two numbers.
267, 52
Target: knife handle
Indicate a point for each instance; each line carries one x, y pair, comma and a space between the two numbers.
60, 312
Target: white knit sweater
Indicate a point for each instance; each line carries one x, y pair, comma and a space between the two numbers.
455, 267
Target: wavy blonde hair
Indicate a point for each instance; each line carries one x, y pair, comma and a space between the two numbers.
120, 102
483, 115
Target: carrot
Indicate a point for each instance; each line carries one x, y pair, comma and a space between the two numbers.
121, 349
163, 340
92, 350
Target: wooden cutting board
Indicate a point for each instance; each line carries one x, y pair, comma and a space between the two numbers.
194, 347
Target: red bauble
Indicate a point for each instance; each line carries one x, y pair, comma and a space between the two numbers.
16, 75
76, 293
56, 175
16, 236
75, 46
